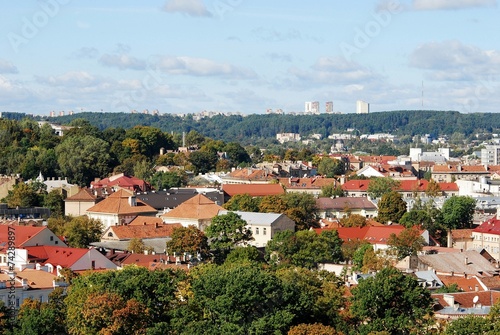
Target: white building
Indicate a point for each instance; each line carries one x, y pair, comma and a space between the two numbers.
311, 107
288, 137
362, 107
329, 107
490, 155
264, 225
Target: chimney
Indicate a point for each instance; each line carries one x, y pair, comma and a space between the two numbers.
449, 299
466, 261
132, 201
477, 288
449, 240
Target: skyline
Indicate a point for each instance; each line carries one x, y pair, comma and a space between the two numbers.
186, 56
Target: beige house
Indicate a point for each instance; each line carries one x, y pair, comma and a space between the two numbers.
197, 211
487, 236
343, 206
79, 203
120, 208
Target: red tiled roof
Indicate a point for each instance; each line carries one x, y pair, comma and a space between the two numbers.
118, 203
371, 234
356, 185
123, 181
465, 284
459, 169
254, 190
146, 231
198, 207
251, 174
84, 194
63, 256
22, 234
345, 202
145, 220
465, 299
448, 187
491, 226
305, 183
457, 234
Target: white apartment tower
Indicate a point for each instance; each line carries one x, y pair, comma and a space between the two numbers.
490, 155
362, 107
329, 107
312, 107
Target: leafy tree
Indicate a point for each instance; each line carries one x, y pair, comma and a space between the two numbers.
353, 220
312, 329
24, 195
150, 140
54, 200
136, 246
332, 191
194, 138
81, 231
272, 204
469, 324
203, 161
407, 243
188, 239
236, 153
433, 189
82, 158
243, 254
165, 180
359, 256
457, 212
330, 168
301, 208
416, 218
452, 288
243, 202
380, 186
392, 302
225, 232
5, 319
304, 248
391, 207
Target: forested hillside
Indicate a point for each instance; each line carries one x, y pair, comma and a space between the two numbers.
248, 129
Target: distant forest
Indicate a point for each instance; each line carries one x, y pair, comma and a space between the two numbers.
253, 128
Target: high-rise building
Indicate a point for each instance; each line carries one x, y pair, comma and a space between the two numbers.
490, 155
329, 107
312, 107
362, 107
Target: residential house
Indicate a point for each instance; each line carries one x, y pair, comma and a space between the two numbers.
123, 181
248, 176
197, 211
120, 208
312, 185
79, 203
53, 259
26, 236
487, 236
29, 284
154, 236
450, 173
451, 306
344, 206
461, 239
164, 201
264, 225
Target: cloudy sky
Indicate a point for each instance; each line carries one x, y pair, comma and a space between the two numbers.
186, 56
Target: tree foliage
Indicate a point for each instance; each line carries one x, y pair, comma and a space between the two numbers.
408, 243
380, 186
391, 207
458, 211
188, 239
330, 168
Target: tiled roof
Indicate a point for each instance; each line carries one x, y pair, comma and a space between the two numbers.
198, 207
491, 226
118, 203
465, 284
305, 183
371, 234
22, 234
64, 257
356, 185
145, 220
250, 174
257, 218
146, 231
377, 159
345, 202
413, 185
36, 279
459, 169
469, 262
466, 299
460, 234
123, 181
447, 187
84, 194
173, 198
254, 190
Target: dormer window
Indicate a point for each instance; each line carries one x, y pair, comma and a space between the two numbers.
110, 234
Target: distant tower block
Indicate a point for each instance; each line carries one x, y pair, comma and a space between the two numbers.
311, 107
52, 114
61, 113
362, 107
329, 107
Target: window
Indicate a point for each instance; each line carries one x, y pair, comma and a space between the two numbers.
52, 238
110, 234
263, 231
257, 231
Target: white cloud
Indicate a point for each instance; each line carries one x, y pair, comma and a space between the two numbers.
194, 8
452, 60
451, 4
7, 67
85, 53
122, 62
201, 67
80, 79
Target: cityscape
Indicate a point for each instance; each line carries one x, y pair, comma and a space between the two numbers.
232, 167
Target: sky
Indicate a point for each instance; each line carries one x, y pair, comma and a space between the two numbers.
248, 56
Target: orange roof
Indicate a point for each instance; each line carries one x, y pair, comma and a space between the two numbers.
254, 190
459, 169
63, 256
123, 181
371, 234
356, 185
461, 233
118, 203
466, 299
37, 279
145, 220
448, 187
465, 284
377, 159
198, 207
21, 233
251, 174
83, 195
148, 231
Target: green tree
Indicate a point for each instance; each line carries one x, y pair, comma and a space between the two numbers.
380, 186
24, 195
272, 204
54, 200
243, 254
407, 243
359, 256
391, 207
312, 329
225, 232
136, 246
194, 138
165, 180
188, 239
353, 220
81, 231
433, 189
82, 158
468, 325
392, 302
457, 212
332, 191
416, 218
243, 202
330, 168
301, 208
236, 153
304, 248
150, 140
203, 161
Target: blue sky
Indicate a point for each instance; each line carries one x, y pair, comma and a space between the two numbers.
186, 56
